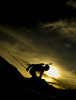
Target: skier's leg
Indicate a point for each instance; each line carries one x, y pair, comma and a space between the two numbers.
32, 72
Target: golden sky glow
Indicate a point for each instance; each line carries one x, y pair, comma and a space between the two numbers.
45, 44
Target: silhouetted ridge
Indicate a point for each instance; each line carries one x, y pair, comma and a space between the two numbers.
8, 71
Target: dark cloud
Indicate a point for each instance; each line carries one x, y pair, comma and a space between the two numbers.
24, 16
71, 3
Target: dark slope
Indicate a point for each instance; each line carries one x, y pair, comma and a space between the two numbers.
15, 86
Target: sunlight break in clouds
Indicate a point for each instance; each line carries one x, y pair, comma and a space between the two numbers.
52, 72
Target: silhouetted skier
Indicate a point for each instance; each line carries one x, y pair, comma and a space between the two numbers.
37, 67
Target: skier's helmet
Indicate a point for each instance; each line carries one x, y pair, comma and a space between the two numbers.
47, 67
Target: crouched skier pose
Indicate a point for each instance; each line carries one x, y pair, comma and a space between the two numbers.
37, 67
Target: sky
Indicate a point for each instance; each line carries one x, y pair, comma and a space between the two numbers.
47, 35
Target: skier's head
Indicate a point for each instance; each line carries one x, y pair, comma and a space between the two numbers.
46, 67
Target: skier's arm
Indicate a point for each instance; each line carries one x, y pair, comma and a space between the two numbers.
29, 66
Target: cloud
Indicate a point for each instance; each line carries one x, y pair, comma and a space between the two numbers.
68, 45
63, 28
63, 32
71, 3
24, 42
68, 79
47, 42
14, 35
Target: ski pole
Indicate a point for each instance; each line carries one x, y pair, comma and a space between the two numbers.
17, 60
